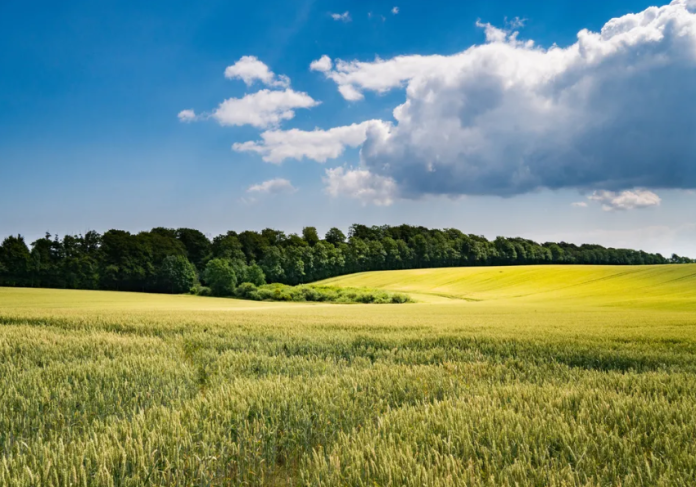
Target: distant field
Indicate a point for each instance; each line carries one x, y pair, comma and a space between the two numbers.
662, 286
565, 376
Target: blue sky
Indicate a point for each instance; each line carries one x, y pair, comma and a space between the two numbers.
90, 137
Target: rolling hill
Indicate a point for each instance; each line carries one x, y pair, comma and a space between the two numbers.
672, 286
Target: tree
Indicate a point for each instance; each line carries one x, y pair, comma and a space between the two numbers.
227, 247
163, 243
220, 277
46, 263
273, 237
126, 261
310, 235
80, 264
253, 244
198, 247
177, 275
294, 265
556, 253
272, 264
123, 261
254, 275
16, 260
335, 236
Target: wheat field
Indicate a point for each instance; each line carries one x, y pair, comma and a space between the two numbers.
563, 376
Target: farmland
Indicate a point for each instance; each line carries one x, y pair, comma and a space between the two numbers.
497, 376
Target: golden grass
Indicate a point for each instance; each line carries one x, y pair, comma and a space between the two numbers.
556, 376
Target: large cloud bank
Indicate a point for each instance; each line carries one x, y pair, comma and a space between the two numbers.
613, 112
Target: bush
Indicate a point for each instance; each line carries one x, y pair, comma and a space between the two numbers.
202, 291
328, 294
247, 290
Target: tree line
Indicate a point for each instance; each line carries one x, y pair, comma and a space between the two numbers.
168, 260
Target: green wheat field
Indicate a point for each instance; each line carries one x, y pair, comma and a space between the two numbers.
499, 376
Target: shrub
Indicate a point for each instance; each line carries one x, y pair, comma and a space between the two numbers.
329, 294
203, 291
247, 290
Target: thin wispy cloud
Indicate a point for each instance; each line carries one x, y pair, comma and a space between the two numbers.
344, 17
515, 23
272, 186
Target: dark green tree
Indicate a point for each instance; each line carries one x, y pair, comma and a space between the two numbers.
176, 274
220, 277
16, 260
254, 275
198, 247
310, 235
335, 236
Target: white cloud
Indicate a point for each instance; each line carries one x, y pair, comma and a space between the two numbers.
353, 77
277, 145
360, 184
272, 186
262, 109
250, 69
579, 204
187, 116
625, 200
322, 64
344, 17
395, 10
516, 23
616, 110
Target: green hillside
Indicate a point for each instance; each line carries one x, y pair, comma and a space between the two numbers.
672, 286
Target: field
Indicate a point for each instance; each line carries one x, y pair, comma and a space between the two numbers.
563, 376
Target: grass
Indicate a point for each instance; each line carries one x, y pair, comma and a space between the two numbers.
665, 287
570, 376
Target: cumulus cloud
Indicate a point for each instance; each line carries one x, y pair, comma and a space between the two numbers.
614, 111
262, 109
344, 17
319, 145
272, 186
323, 64
187, 116
354, 77
249, 69
625, 200
360, 184
395, 10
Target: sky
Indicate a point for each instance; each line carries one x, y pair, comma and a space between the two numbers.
561, 120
